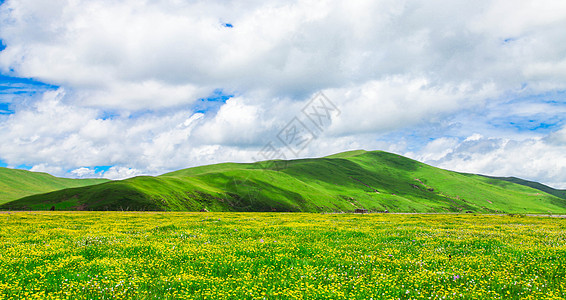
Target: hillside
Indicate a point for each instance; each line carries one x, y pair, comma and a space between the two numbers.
377, 181
536, 185
16, 183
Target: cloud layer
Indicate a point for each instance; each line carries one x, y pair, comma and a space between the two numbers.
533, 159
416, 77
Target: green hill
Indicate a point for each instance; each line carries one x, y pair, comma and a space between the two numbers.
536, 185
377, 181
16, 183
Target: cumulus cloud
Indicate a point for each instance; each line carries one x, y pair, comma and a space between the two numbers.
117, 173
236, 123
130, 72
557, 138
170, 50
83, 172
55, 136
45, 168
533, 159
398, 102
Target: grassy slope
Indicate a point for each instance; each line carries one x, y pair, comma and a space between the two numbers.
536, 185
376, 181
16, 183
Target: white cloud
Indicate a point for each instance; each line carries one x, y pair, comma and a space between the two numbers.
143, 95
45, 168
236, 123
435, 67
117, 173
136, 54
83, 172
398, 102
437, 149
532, 159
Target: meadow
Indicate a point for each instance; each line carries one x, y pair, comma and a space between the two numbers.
149, 255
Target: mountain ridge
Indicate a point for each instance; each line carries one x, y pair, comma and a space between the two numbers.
16, 183
536, 185
372, 180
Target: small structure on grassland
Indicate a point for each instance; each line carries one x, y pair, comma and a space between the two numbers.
360, 211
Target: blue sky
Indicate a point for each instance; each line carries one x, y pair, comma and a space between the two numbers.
473, 87
13, 88
212, 103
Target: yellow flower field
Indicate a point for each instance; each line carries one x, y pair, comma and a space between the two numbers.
116, 255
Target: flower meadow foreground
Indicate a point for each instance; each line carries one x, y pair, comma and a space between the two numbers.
111, 255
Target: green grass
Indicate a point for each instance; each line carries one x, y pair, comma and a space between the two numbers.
533, 184
376, 181
16, 183
115, 255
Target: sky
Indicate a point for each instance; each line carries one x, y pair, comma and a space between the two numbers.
116, 89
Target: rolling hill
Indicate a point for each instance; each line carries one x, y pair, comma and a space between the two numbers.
376, 180
533, 184
16, 183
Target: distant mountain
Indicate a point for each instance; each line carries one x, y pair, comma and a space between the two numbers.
376, 181
16, 183
533, 184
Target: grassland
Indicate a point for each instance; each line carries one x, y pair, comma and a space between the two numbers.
537, 185
376, 181
16, 184
111, 255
